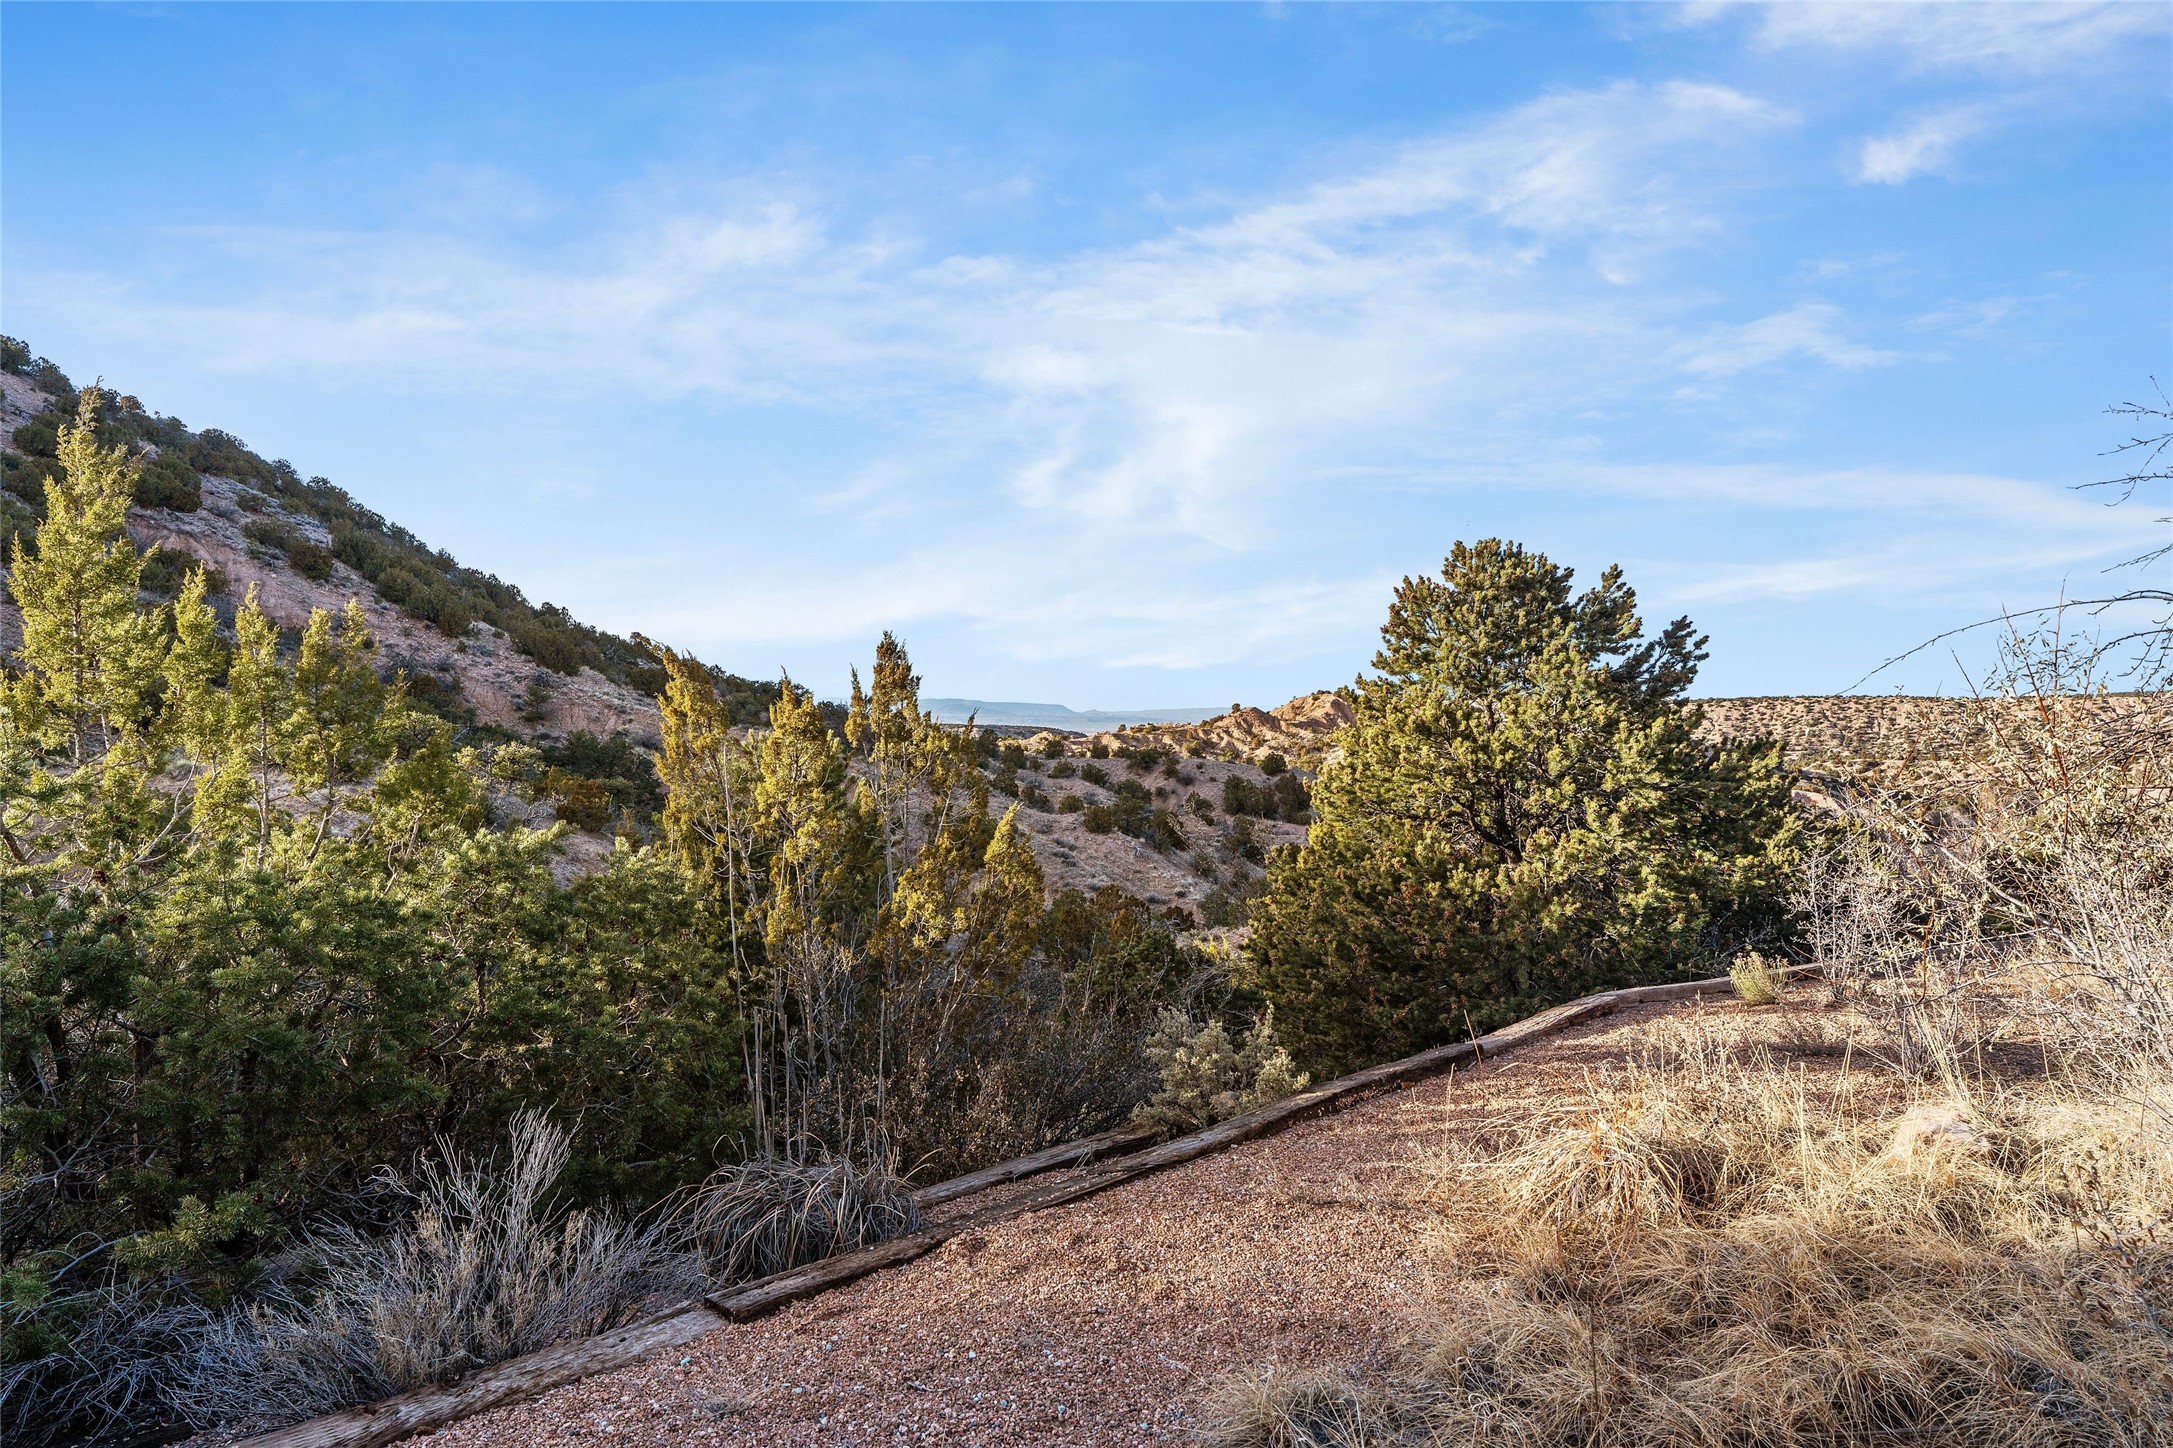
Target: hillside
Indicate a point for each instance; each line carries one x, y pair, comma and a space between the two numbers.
1841, 734
477, 652
1848, 735
533, 672
1179, 832
1298, 731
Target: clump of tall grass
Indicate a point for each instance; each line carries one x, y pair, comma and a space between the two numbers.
1757, 980
770, 1214
486, 1267
1710, 1254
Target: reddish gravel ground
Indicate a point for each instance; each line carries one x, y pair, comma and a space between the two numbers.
1104, 1321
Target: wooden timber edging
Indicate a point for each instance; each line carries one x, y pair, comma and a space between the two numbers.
523, 1378
1071, 1153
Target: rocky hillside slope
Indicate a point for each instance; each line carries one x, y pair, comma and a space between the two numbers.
482, 672
1825, 733
483, 668
1878, 733
1299, 731
1189, 835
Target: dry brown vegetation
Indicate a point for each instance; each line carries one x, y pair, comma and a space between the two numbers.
487, 1266
1889, 735
1925, 1197
1714, 1247
1831, 734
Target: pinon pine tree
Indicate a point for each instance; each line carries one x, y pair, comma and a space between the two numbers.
1522, 812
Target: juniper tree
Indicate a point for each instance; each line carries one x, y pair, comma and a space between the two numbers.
1522, 811
880, 918
90, 656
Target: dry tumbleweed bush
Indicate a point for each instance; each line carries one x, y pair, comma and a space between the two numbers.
1756, 979
2019, 876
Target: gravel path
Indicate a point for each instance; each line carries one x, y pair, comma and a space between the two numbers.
1096, 1323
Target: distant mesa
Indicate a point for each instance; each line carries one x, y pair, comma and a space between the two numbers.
1056, 716
1301, 731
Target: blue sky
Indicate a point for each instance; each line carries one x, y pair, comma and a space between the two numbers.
1125, 356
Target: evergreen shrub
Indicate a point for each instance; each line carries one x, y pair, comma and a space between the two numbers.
167, 481
1522, 813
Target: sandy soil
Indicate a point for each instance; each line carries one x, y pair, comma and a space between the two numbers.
1103, 1322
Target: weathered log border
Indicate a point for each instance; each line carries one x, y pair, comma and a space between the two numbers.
527, 1377
1072, 1153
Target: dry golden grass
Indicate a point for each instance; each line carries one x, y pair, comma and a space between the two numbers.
1757, 980
1716, 1247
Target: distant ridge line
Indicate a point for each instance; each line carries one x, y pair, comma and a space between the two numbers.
1056, 716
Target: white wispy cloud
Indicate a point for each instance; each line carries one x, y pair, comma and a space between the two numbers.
1170, 381
1926, 145
1909, 535
1042, 592
1979, 318
2018, 59
1808, 329
1035, 595
2083, 527
1575, 163
1134, 421
2001, 39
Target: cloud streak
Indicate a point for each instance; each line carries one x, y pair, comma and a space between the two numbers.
2030, 40
1808, 329
1168, 382
1924, 146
